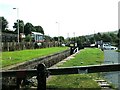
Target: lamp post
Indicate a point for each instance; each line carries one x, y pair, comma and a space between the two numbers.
58, 30
74, 36
17, 22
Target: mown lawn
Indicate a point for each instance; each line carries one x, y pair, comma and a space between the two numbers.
87, 56
14, 57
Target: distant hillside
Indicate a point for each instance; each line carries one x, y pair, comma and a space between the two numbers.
115, 32
108, 32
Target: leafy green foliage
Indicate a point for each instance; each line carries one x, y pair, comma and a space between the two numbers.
61, 38
4, 23
39, 29
21, 26
48, 38
118, 39
106, 38
111, 37
98, 37
118, 33
28, 28
28, 38
55, 38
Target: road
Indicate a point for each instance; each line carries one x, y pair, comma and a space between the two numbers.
111, 57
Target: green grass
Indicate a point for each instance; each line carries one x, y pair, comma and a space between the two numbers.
72, 81
14, 57
118, 50
88, 57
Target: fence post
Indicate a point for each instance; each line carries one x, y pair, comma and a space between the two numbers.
18, 83
41, 77
8, 46
20, 76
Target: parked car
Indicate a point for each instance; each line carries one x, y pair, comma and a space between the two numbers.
107, 46
113, 48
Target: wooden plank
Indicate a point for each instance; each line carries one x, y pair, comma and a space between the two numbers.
85, 69
65, 70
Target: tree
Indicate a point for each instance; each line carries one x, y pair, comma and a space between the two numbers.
118, 35
114, 37
118, 39
92, 41
83, 39
28, 38
4, 24
106, 38
61, 38
79, 43
21, 26
55, 38
97, 37
48, 38
39, 29
28, 28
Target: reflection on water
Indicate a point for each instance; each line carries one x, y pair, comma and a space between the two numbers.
112, 77
111, 57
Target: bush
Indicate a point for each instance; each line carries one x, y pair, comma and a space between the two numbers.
28, 38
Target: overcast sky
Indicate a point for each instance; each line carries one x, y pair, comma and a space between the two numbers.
81, 17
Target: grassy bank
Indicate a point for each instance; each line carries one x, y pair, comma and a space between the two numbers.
85, 57
14, 57
118, 50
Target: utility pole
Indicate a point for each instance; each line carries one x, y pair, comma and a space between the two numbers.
58, 31
17, 22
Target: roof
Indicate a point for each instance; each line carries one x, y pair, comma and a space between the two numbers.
37, 33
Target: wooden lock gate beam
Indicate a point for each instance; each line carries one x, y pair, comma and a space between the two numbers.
65, 70
42, 72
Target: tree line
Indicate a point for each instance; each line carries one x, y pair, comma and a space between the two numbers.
27, 28
23, 28
87, 40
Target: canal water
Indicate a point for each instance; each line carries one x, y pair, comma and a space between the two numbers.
111, 57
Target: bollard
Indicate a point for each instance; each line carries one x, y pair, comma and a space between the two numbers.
71, 50
41, 77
